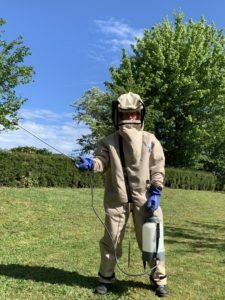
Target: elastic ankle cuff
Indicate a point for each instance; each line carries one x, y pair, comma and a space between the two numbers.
106, 279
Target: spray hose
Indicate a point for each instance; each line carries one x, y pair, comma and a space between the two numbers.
92, 204
114, 244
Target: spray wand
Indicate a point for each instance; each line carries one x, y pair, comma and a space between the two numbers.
44, 142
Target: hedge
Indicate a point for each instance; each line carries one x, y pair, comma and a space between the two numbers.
29, 169
190, 179
19, 169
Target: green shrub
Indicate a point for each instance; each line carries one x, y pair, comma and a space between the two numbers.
19, 169
30, 169
190, 179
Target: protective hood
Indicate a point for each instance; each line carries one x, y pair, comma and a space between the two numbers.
129, 102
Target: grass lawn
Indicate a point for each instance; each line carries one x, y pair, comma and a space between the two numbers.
49, 246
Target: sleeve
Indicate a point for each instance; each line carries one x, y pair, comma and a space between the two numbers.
157, 164
101, 158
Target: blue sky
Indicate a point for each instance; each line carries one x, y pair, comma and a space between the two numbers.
73, 44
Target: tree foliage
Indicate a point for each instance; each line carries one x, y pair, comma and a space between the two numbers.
13, 72
31, 150
178, 68
93, 109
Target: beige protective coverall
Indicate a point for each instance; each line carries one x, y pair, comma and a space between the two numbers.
145, 163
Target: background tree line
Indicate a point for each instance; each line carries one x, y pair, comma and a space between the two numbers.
32, 167
178, 68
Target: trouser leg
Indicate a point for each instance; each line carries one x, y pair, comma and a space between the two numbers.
158, 271
111, 247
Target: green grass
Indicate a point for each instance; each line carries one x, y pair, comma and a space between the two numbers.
49, 246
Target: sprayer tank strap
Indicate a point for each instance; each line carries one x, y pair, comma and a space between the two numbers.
157, 239
124, 167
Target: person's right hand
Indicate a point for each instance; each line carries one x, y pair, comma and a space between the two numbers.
84, 164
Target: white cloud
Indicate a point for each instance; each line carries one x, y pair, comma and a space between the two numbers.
43, 114
98, 57
118, 34
116, 28
114, 35
34, 133
117, 45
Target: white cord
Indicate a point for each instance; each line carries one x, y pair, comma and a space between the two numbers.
114, 244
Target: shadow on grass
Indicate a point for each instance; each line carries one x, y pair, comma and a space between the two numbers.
59, 276
197, 235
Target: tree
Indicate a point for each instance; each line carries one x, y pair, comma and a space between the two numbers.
13, 72
179, 70
93, 109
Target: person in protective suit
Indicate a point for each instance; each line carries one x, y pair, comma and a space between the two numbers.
133, 162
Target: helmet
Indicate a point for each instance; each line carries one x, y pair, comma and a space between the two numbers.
127, 103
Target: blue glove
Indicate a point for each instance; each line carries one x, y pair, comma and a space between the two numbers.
85, 164
153, 199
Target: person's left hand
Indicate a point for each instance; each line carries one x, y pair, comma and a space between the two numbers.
153, 199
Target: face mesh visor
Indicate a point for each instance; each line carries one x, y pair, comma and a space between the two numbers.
129, 116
